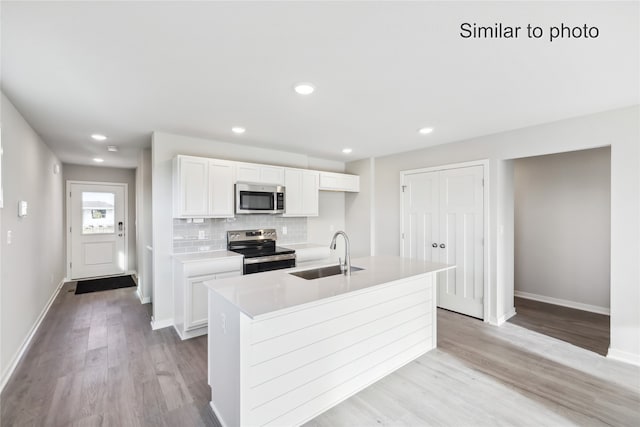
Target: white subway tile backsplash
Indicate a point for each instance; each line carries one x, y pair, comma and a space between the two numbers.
185, 235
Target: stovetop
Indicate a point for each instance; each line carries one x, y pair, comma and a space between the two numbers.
255, 243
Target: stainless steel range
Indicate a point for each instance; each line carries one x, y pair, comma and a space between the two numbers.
260, 250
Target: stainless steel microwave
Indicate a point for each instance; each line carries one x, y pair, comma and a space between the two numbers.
252, 198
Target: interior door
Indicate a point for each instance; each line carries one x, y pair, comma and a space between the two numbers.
97, 230
461, 240
421, 216
443, 222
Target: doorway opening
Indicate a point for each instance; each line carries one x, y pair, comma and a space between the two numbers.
97, 229
562, 235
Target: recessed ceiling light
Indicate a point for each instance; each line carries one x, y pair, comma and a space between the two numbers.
425, 131
238, 129
347, 150
304, 88
98, 160
112, 148
98, 137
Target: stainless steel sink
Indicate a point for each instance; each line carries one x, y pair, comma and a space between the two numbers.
317, 273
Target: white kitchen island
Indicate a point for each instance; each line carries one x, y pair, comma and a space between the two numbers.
283, 349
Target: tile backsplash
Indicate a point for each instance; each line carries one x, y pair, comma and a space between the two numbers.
211, 234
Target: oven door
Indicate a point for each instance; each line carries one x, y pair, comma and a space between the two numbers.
268, 263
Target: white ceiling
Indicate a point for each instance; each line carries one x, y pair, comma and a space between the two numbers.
382, 70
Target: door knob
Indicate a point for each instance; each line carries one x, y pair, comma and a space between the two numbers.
434, 245
442, 245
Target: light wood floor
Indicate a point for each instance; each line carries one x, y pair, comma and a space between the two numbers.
581, 328
96, 362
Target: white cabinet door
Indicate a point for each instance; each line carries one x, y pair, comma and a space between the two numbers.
310, 193
191, 191
261, 174
247, 172
301, 192
271, 175
221, 179
333, 181
196, 297
442, 221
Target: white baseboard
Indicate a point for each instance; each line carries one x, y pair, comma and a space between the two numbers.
27, 341
217, 414
502, 319
192, 333
143, 300
563, 302
623, 356
160, 324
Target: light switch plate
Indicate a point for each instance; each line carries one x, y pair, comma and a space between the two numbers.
22, 208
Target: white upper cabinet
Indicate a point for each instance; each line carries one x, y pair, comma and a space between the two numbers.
301, 196
190, 186
221, 193
262, 174
339, 182
202, 188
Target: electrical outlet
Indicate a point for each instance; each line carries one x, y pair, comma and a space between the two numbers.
284, 230
9, 237
223, 323
200, 234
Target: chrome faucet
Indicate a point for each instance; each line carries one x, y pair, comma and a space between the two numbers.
347, 257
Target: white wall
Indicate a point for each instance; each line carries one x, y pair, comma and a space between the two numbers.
563, 221
358, 209
164, 148
25, 291
106, 174
144, 226
618, 128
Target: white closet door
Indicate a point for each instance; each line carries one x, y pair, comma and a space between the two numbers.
443, 222
421, 216
461, 240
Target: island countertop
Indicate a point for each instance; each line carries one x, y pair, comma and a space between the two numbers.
264, 293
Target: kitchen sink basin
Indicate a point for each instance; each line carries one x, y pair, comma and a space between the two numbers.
317, 273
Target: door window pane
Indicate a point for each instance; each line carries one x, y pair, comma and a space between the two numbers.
98, 213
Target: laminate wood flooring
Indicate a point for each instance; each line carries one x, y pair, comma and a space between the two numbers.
96, 362
581, 328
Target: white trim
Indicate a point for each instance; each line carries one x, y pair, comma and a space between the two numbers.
623, 356
372, 206
191, 333
161, 324
217, 414
142, 299
563, 302
486, 222
68, 223
502, 319
27, 341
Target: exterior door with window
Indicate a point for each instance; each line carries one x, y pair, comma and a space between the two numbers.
97, 230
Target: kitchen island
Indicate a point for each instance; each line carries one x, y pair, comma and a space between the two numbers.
283, 349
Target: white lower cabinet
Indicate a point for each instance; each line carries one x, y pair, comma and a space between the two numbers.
190, 293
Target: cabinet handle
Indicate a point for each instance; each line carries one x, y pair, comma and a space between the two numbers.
442, 245
434, 245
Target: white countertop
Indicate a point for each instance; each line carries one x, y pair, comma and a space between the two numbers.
201, 256
264, 293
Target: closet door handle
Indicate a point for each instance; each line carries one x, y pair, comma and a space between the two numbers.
442, 245
434, 245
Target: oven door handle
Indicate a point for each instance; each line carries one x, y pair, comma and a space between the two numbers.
271, 258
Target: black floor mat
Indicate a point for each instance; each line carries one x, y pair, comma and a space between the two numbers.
96, 285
